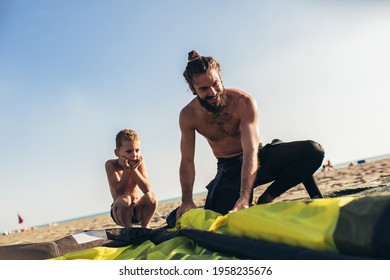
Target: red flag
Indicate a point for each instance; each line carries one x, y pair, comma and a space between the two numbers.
20, 219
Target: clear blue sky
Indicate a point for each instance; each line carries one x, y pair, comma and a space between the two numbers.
74, 73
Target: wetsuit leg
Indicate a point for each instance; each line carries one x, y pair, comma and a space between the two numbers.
224, 190
287, 165
225, 199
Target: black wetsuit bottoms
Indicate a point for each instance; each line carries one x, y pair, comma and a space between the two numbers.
285, 164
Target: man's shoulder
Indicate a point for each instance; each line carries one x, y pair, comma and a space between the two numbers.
191, 108
190, 115
241, 98
243, 102
238, 93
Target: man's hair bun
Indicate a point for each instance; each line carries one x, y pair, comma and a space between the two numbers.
193, 55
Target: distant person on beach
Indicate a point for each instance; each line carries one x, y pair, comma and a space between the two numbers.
327, 166
228, 119
127, 178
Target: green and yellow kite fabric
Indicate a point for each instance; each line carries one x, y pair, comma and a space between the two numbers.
344, 227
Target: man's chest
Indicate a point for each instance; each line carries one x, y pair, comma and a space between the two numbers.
219, 126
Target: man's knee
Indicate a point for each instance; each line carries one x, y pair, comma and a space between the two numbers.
315, 148
315, 151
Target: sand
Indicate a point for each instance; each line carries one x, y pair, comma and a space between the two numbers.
361, 179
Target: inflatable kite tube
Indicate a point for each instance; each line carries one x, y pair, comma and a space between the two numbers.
332, 228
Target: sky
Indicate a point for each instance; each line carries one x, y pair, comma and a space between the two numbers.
74, 73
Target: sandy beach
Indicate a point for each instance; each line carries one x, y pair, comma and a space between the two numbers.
360, 179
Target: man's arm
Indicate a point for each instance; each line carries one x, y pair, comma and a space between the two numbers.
250, 142
187, 165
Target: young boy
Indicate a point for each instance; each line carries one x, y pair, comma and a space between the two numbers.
127, 177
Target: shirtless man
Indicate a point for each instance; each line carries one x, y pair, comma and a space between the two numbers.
228, 119
127, 178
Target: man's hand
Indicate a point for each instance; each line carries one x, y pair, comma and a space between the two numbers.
184, 207
240, 204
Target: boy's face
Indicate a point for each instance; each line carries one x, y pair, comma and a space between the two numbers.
130, 150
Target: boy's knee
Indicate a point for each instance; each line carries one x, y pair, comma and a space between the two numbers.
151, 198
123, 201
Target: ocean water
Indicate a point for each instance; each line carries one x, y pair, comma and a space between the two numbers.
75, 219
362, 160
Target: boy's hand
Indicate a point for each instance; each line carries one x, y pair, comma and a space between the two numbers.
124, 163
135, 163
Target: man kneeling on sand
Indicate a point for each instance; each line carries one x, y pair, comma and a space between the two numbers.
228, 119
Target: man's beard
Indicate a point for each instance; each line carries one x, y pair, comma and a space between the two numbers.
217, 107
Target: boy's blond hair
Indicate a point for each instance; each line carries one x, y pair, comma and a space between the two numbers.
126, 135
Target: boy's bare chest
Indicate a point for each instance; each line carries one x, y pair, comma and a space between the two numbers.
131, 181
